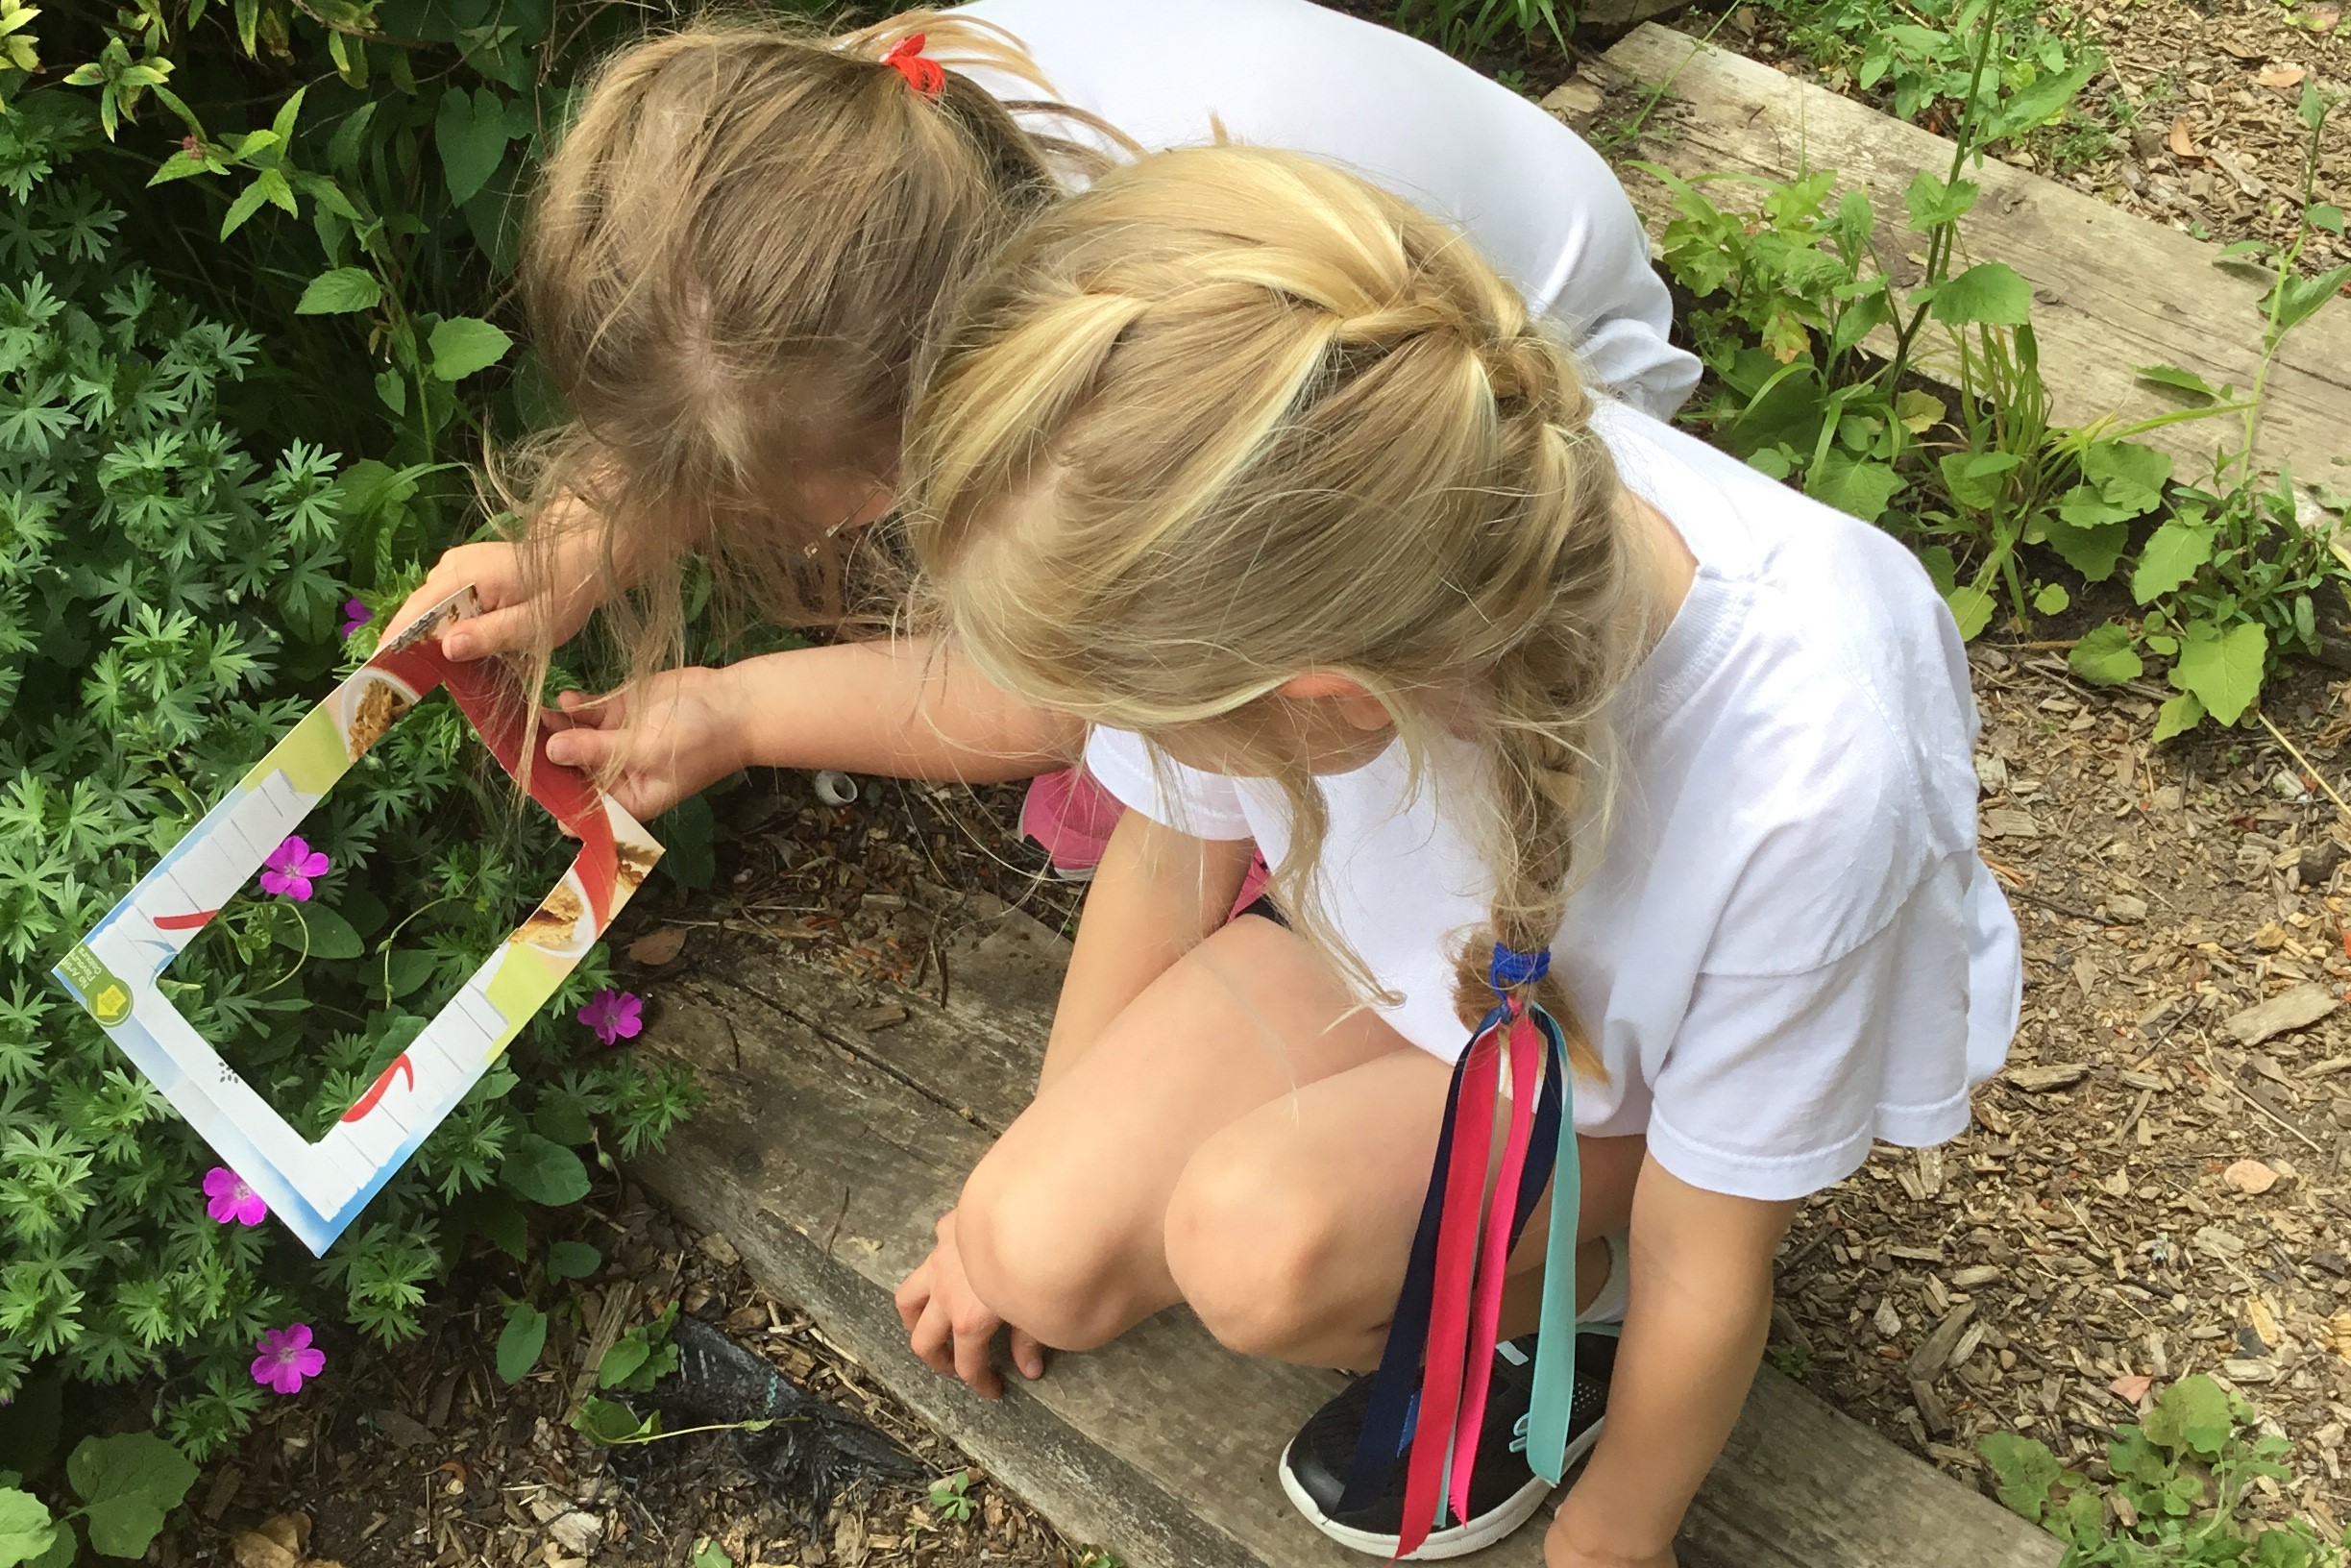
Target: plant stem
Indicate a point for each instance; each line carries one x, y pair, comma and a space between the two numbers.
1939, 239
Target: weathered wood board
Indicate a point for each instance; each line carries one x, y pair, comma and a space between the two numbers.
2113, 291
826, 1152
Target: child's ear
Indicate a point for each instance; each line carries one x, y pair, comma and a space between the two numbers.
1355, 704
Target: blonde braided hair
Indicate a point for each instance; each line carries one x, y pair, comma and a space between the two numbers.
1234, 415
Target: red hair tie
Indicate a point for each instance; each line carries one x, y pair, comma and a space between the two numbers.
926, 76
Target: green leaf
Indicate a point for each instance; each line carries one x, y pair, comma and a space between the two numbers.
2105, 657
2093, 551
1972, 608
2325, 216
622, 1361
471, 136
2193, 1415
2172, 555
64, 1552
1919, 412
1931, 202
1974, 477
2086, 506
1854, 486
2024, 1471
709, 1553
393, 388
343, 151
687, 832
318, 930
26, 1529
1988, 294
563, 1118
2127, 472
2051, 599
2301, 298
607, 1421
462, 345
127, 1486
572, 1260
405, 970
337, 292
544, 1171
2185, 381
2315, 106
1941, 568
496, 1217
2041, 101
2224, 674
248, 202
519, 1346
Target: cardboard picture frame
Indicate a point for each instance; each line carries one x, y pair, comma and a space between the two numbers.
317, 1187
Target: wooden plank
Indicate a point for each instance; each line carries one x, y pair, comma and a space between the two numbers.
825, 1153
2111, 291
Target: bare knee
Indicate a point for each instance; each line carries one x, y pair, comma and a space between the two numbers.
1251, 1253
1036, 1253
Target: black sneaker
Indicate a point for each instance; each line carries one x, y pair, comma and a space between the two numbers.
1502, 1495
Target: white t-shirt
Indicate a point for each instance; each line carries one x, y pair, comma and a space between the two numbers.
1789, 945
1535, 199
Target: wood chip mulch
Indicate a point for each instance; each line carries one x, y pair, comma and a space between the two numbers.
2155, 1185
2200, 99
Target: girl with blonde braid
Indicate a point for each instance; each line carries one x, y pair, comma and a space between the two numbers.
747, 235
1561, 730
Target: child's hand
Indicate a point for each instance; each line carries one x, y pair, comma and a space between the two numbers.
952, 1329
508, 621
688, 734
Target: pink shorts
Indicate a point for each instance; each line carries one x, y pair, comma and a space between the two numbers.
1071, 815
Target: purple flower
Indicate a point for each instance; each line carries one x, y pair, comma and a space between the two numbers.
227, 1197
289, 869
354, 616
287, 1359
614, 1015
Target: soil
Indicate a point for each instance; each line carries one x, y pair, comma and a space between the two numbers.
2197, 112
421, 1455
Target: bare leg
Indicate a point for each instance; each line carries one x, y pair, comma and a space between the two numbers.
1241, 1138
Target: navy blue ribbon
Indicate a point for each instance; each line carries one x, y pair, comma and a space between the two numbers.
1395, 1389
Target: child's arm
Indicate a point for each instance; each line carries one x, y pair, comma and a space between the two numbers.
897, 708
1702, 1307
1156, 894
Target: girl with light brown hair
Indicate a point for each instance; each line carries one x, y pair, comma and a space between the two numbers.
746, 237
1558, 728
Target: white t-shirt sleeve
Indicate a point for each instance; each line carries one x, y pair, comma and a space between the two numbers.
1204, 805
1776, 1084
1531, 195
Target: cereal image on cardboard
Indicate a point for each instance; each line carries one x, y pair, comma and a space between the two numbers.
319, 1187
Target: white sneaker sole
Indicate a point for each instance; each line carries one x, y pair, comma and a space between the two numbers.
1458, 1541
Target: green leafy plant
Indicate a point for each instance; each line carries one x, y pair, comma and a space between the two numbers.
176, 552
642, 1356
1925, 60
2181, 1479
951, 1497
1469, 28
128, 1487
2229, 582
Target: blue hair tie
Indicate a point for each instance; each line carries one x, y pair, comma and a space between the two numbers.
1511, 969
